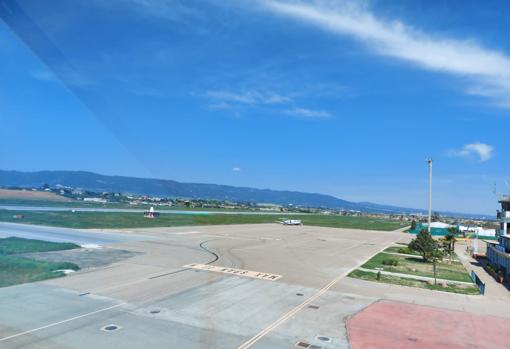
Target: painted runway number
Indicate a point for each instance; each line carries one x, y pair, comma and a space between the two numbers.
234, 271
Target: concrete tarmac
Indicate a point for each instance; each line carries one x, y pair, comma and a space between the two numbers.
154, 300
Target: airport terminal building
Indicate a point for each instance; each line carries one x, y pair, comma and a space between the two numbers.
499, 253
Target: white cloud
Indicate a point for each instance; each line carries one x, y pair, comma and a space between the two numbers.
276, 103
236, 169
487, 71
479, 150
307, 113
247, 97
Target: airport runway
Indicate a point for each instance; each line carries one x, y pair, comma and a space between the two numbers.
81, 237
164, 210
245, 286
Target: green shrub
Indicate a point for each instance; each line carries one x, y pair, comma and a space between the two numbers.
391, 261
405, 250
491, 268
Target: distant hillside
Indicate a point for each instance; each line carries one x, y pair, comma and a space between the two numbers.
168, 188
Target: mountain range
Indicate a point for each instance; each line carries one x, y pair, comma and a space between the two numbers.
169, 188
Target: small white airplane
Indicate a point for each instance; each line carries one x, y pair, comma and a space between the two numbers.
292, 222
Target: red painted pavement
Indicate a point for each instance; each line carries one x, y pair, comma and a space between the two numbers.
395, 325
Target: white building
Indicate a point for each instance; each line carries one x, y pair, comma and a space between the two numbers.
95, 200
474, 230
499, 253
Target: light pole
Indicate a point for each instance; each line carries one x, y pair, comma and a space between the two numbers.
429, 162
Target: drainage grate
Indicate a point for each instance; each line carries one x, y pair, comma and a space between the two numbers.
302, 345
324, 339
299, 294
411, 339
313, 306
111, 328
155, 311
313, 346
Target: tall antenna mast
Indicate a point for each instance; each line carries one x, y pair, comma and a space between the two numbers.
429, 162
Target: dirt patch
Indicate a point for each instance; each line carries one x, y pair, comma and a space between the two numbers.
85, 258
31, 195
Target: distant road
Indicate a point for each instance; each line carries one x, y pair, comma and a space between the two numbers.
80, 237
133, 210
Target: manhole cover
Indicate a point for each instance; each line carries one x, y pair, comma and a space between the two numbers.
299, 294
155, 311
111, 328
324, 339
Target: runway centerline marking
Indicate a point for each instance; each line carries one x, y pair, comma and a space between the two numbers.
296, 309
60, 322
188, 233
234, 271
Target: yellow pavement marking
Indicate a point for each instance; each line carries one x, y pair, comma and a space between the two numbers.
295, 310
60, 322
290, 313
234, 271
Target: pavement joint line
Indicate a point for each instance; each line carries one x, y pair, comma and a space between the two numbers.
60, 322
113, 287
145, 279
170, 273
299, 307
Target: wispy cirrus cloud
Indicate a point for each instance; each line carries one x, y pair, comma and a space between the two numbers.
247, 97
277, 103
307, 113
481, 151
486, 71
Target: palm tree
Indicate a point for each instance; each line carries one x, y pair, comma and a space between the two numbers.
450, 238
436, 256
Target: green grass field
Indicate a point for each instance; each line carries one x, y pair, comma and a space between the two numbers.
132, 220
401, 249
14, 245
414, 266
112, 205
15, 269
463, 289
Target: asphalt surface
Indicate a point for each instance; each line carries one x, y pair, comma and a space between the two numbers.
156, 301
138, 210
54, 234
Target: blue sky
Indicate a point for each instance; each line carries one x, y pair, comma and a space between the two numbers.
337, 97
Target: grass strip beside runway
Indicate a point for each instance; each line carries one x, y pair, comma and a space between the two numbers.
112, 220
16, 269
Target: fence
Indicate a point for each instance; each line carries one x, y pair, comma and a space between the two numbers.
478, 282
